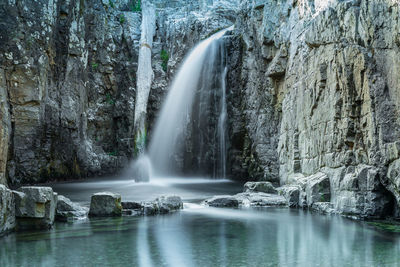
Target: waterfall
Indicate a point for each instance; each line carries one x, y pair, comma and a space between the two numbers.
222, 124
198, 75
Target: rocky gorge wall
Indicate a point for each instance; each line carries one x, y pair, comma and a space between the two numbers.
313, 90
67, 71
319, 91
68, 81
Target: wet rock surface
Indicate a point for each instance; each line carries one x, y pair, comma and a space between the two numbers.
35, 207
67, 210
105, 204
265, 187
7, 210
291, 193
313, 90
318, 83
222, 202
256, 194
161, 205
68, 81
260, 199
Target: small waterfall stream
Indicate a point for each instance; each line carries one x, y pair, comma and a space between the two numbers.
179, 140
222, 124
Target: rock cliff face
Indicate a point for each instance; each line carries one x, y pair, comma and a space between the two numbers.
67, 85
313, 90
68, 81
320, 88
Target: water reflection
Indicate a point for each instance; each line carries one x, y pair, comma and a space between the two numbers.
202, 236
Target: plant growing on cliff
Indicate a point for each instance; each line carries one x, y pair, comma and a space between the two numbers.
109, 99
140, 141
136, 7
95, 65
113, 153
122, 18
164, 58
111, 4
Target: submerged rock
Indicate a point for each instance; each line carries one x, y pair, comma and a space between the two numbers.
265, 187
67, 210
105, 204
222, 201
35, 207
7, 210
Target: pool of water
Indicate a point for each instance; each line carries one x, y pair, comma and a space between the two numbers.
201, 236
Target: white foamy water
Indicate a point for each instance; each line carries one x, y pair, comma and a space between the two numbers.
168, 134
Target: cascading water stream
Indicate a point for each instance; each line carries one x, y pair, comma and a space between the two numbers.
222, 124
171, 128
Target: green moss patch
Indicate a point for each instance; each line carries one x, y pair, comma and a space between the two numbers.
388, 226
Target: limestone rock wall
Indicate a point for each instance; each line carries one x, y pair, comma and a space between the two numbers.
313, 89
67, 84
68, 80
321, 94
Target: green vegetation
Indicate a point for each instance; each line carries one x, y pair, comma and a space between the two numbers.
95, 65
387, 226
109, 99
30, 42
111, 4
164, 57
140, 141
122, 18
136, 7
113, 153
81, 7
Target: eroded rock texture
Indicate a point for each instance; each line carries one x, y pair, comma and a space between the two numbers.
67, 72
7, 210
320, 94
313, 91
68, 80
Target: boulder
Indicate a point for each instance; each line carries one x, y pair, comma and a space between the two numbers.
323, 207
7, 210
132, 208
357, 191
167, 204
222, 201
35, 207
105, 204
291, 193
318, 188
151, 208
131, 205
67, 210
161, 205
265, 187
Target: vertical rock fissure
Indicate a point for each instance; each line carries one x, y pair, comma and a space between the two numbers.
144, 75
